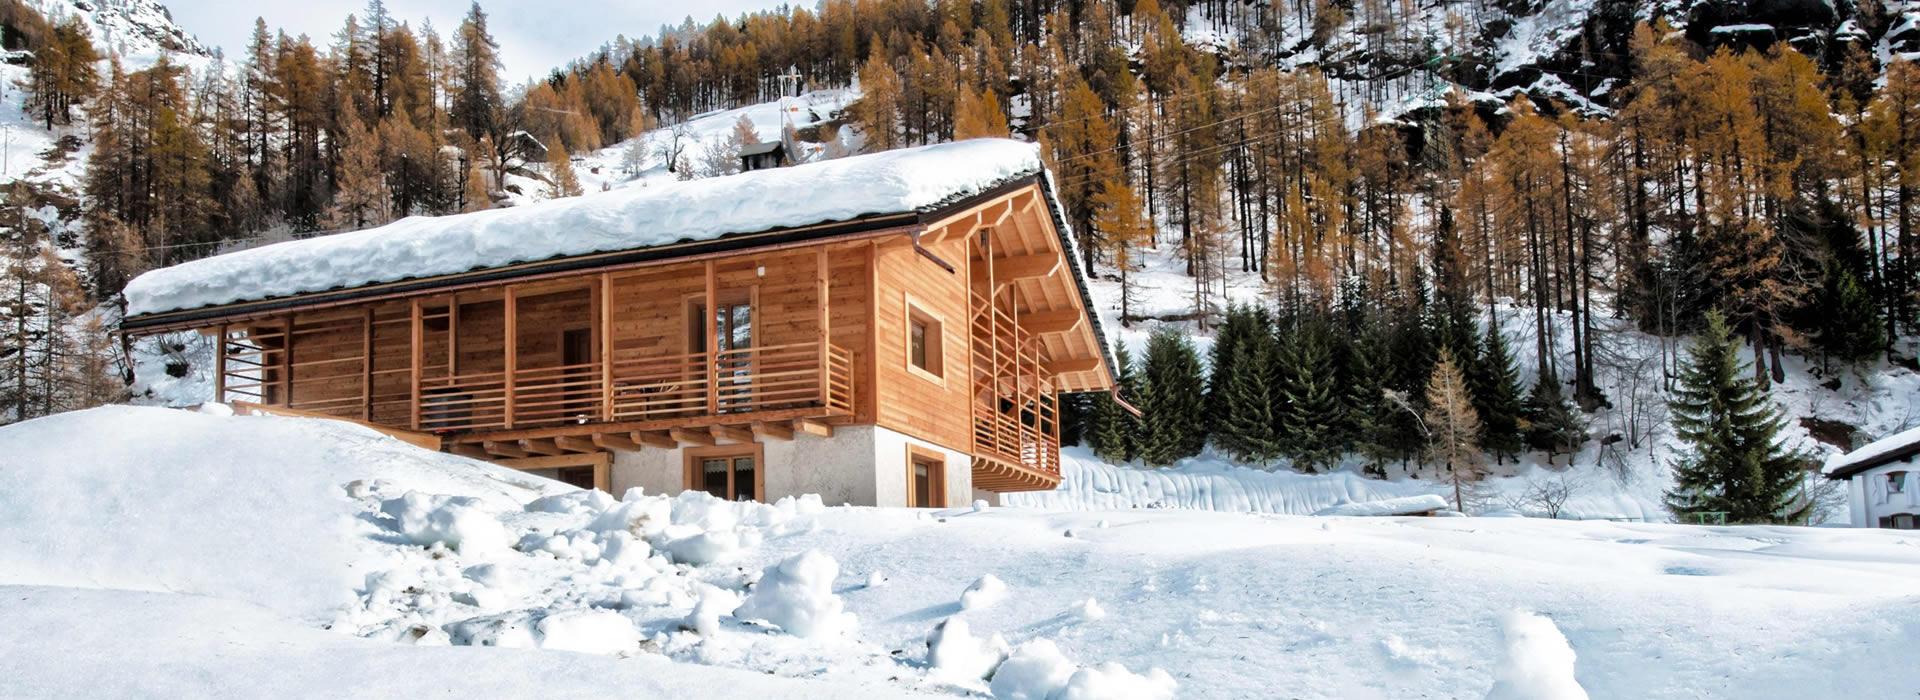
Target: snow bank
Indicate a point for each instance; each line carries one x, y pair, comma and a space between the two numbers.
890, 182
250, 508
1405, 505
796, 595
455, 522
1537, 663
1087, 483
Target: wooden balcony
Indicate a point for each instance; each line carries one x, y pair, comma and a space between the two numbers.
810, 379
1016, 421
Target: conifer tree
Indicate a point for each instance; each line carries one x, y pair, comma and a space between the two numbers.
1172, 399
1848, 327
1496, 394
1736, 465
1124, 228
476, 76
1241, 324
1453, 428
1245, 420
1370, 420
978, 115
1113, 431
1312, 429
878, 111
560, 168
360, 195
473, 192
1549, 420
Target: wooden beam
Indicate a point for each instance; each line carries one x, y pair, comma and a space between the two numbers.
655, 438
773, 431
468, 449
731, 432
503, 449
220, 366
573, 443
710, 306
689, 436
813, 426
616, 442
1047, 322
604, 298
286, 363
1072, 365
1021, 267
542, 446
366, 363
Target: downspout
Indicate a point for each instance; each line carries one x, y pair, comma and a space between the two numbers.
928, 254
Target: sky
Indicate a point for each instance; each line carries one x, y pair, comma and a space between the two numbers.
535, 35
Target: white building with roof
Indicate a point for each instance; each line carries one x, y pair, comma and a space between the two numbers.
1883, 481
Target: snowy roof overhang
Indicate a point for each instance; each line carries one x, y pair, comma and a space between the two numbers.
862, 195
1887, 450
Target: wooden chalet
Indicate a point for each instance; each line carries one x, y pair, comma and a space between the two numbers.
894, 357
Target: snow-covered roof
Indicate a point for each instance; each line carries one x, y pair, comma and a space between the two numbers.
891, 182
1891, 448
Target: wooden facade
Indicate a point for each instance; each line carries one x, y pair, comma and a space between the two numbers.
959, 328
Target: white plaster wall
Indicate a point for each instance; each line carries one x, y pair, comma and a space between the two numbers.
840, 468
890, 469
1869, 501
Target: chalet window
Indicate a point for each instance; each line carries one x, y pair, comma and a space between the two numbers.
925, 351
1896, 483
926, 478
731, 472
1900, 521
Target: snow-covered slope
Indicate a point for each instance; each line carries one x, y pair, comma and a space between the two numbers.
165, 553
138, 31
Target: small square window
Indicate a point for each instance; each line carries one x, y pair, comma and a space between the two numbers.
924, 349
1896, 482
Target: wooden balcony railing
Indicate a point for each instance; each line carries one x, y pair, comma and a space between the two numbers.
746, 380
1015, 412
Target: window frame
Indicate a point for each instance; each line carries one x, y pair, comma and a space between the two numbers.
692, 477
913, 311
936, 476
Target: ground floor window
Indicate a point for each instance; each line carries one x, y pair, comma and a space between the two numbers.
1900, 521
926, 478
732, 472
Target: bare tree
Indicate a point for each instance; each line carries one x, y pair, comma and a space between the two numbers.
1547, 492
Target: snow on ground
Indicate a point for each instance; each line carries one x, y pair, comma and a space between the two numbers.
160, 552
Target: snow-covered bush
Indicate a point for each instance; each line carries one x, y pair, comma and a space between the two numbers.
1537, 663
796, 595
954, 653
457, 522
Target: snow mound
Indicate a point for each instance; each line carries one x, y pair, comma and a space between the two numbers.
1035, 671
1537, 663
1112, 681
244, 507
796, 595
890, 182
1406, 505
954, 653
455, 522
985, 592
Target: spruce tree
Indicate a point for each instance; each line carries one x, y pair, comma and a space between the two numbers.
1736, 465
1112, 430
1549, 420
1848, 326
1310, 416
1245, 423
1369, 418
1172, 399
1241, 324
1496, 396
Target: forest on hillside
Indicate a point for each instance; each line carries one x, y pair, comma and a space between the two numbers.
1389, 170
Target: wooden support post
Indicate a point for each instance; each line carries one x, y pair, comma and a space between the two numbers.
286, 363
453, 335
712, 306
366, 363
220, 366
418, 355
822, 286
606, 346
513, 350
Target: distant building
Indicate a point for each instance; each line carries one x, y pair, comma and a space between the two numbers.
1883, 481
762, 156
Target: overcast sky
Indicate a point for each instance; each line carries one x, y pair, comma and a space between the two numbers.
535, 35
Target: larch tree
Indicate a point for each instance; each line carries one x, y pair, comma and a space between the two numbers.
1124, 229
1453, 439
560, 170
977, 114
360, 192
878, 111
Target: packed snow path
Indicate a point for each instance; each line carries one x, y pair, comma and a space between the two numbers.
208, 548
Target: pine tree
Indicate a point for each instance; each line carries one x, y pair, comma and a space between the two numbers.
560, 168
1245, 420
1453, 428
1550, 421
1312, 428
1171, 399
1736, 465
360, 195
1849, 323
475, 77
1113, 431
1496, 395
1241, 323
1369, 417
